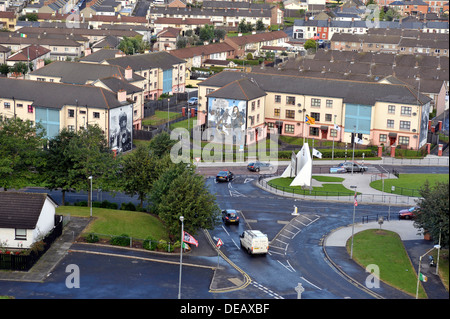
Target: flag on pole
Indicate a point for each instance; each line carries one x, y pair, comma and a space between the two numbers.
422, 277
23, 35
356, 201
186, 246
337, 127
309, 120
316, 153
189, 239
358, 140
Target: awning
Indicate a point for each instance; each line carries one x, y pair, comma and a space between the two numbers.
324, 128
392, 134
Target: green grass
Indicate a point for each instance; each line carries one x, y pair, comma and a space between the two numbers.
408, 184
160, 117
385, 249
184, 124
327, 178
117, 222
325, 190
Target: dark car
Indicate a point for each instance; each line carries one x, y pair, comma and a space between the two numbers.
356, 167
259, 166
407, 213
230, 216
224, 176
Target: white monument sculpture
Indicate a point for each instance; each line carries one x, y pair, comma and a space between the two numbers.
300, 167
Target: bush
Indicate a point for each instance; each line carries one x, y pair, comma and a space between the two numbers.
162, 245
150, 244
122, 240
92, 238
128, 206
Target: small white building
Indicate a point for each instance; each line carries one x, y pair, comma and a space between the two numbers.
25, 218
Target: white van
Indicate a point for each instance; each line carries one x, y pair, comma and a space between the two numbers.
255, 242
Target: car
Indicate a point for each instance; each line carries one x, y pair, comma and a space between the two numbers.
356, 167
254, 242
230, 216
193, 101
338, 170
259, 166
224, 176
407, 213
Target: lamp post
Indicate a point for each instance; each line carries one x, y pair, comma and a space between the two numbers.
181, 256
90, 204
418, 272
353, 224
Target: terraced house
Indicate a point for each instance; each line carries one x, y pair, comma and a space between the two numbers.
385, 114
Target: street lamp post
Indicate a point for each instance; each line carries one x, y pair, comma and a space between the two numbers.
181, 256
90, 204
418, 272
353, 224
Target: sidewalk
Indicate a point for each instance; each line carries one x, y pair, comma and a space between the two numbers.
336, 252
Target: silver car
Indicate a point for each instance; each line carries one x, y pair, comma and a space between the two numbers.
356, 167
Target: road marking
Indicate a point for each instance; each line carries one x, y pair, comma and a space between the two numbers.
235, 243
310, 283
225, 230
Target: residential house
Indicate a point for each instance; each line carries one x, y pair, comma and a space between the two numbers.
32, 56
25, 218
356, 107
4, 54
101, 55
163, 72
252, 43
60, 105
8, 20
111, 77
166, 40
412, 7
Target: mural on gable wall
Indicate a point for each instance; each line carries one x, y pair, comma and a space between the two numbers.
227, 117
121, 128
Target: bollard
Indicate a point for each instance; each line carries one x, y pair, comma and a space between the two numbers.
440, 149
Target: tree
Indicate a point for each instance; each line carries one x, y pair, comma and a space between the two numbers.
433, 211
260, 25
4, 69
310, 44
21, 152
161, 144
133, 45
181, 192
91, 156
243, 26
57, 164
206, 33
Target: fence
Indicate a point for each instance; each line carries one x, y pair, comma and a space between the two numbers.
383, 198
23, 262
429, 161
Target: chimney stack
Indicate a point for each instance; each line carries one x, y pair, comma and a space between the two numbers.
128, 73
122, 95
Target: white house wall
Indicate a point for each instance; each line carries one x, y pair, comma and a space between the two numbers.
46, 221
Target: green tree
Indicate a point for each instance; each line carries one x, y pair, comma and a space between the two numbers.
206, 33
433, 211
20, 67
243, 26
21, 152
91, 156
57, 164
310, 44
4, 69
181, 192
133, 45
161, 144
260, 25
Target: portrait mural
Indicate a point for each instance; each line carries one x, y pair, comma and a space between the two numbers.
120, 128
227, 117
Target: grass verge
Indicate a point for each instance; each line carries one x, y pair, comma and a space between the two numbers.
282, 183
385, 249
408, 184
117, 222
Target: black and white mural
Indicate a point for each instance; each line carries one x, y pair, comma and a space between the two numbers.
121, 128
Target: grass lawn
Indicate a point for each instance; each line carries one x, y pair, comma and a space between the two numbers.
325, 190
117, 222
385, 249
160, 117
408, 184
184, 123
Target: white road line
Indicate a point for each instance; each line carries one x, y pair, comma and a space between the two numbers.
310, 283
290, 265
284, 266
294, 227
286, 236
281, 241
225, 230
274, 252
289, 231
235, 244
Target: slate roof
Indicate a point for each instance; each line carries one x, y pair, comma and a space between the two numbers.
21, 210
100, 55
29, 53
350, 91
56, 95
244, 89
162, 60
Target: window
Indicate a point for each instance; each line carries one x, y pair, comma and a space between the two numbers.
383, 138
288, 128
30, 108
329, 103
21, 234
405, 125
390, 123
70, 128
391, 109
403, 140
71, 113
328, 117
290, 100
7, 105
290, 114
315, 116
253, 105
406, 110
314, 131
19, 105
96, 115
333, 132
277, 98
315, 102
276, 112
207, 90
270, 125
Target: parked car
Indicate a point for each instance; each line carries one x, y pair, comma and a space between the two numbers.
224, 176
230, 216
259, 166
407, 213
193, 101
356, 167
338, 169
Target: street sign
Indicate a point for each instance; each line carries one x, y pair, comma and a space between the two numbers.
219, 243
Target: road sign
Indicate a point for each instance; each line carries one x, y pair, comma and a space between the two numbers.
219, 243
